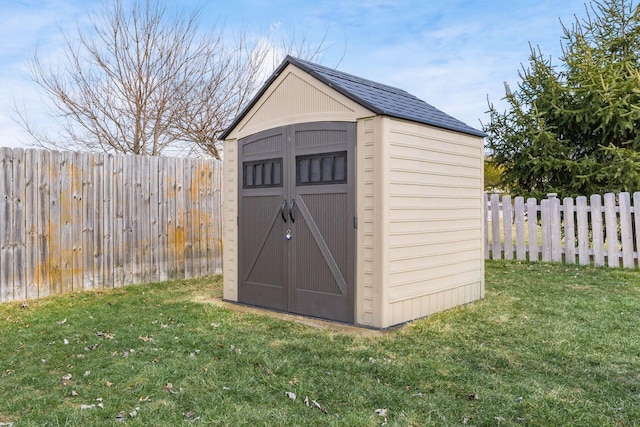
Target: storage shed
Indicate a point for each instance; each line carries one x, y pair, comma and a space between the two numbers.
350, 200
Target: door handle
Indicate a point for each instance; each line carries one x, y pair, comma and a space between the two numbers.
283, 210
291, 209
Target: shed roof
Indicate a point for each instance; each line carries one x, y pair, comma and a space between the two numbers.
379, 98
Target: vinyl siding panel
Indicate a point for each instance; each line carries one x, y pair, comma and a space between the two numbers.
439, 300
365, 307
435, 220
230, 215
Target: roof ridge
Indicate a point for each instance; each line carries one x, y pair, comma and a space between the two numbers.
343, 74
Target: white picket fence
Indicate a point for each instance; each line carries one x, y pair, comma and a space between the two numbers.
583, 231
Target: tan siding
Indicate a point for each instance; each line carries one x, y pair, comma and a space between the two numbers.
420, 306
432, 202
411, 227
365, 307
416, 214
424, 255
296, 97
435, 220
416, 190
230, 214
412, 238
442, 274
381, 225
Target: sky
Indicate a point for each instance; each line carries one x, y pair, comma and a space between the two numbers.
453, 54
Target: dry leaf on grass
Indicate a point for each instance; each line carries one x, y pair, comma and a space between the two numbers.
121, 417
66, 379
317, 405
107, 335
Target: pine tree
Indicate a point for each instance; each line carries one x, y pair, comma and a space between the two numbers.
575, 129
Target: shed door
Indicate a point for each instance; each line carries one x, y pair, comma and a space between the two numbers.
297, 224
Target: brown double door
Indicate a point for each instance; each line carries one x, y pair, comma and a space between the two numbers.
297, 219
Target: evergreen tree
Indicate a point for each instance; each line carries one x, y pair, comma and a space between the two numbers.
575, 129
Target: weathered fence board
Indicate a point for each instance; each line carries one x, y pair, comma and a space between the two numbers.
43, 223
521, 253
53, 230
532, 215
108, 225
596, 229
583, 230
6, 229
77, 221
570, 232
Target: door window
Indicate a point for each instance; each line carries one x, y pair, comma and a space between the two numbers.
322, 168
262, 173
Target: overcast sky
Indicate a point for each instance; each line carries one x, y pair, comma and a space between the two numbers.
450, 53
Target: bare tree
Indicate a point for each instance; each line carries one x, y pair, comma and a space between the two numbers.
141, 80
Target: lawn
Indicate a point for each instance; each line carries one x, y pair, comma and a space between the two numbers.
549, 345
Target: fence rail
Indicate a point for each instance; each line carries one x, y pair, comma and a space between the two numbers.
74, 221
584, 231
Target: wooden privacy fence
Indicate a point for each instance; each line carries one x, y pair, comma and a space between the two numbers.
581, 231
75, 221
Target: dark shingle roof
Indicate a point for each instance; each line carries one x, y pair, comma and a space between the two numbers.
380, 99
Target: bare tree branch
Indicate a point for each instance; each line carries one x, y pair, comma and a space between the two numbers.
142, 80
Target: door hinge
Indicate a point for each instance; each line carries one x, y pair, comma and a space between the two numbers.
355, 222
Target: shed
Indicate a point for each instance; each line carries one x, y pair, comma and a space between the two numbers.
350, 200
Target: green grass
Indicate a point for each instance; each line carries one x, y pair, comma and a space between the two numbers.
549, 345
